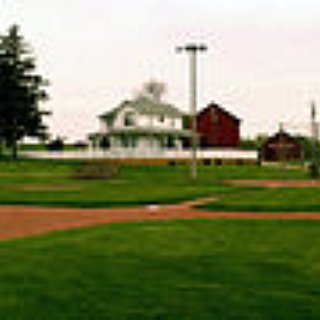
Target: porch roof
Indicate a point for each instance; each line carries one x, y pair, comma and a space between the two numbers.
150, 131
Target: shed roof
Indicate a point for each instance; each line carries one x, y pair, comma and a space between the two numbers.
281, 136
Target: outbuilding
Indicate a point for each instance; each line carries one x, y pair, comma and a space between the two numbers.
281, 147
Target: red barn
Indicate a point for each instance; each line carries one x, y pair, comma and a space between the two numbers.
217, 127
281, 147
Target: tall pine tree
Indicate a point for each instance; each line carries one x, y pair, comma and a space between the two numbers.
21, 92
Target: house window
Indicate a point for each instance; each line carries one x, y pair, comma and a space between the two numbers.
129, 119
133, 142
124, 141
128, 141
170, 142
161, 118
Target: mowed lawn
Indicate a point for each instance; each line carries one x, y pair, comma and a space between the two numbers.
268, 200
51, 183
201, 269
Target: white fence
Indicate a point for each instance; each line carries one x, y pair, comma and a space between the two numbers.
138, 154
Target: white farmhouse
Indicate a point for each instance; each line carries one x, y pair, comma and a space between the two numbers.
144, 125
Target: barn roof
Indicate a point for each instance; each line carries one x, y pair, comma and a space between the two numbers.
214, 105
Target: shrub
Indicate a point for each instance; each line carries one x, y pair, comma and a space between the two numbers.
80, 145
55, 145
314, 170
95, 170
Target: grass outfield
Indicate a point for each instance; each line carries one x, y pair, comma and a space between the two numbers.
165, 270
268, 200
50, 183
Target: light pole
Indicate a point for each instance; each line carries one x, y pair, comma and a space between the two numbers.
192, 49
314, 170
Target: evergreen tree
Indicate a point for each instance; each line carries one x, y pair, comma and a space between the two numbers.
21, 91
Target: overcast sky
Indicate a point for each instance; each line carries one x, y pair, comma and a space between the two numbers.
263, 62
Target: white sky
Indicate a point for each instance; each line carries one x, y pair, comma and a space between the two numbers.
262, 64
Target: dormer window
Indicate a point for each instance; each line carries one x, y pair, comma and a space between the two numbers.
129, 119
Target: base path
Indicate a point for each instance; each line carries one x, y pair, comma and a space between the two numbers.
20, 221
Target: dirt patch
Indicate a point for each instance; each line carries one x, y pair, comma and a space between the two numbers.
19, 221
276, 183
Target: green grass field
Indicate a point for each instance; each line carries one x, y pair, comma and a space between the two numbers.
198, 269
260, 199
50, 183
165, 270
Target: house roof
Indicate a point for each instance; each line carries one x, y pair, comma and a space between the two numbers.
144, 105
214, 105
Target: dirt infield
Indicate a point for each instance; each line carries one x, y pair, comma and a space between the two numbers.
19, 221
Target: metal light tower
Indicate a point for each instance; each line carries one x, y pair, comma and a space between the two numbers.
314, 138
192, 49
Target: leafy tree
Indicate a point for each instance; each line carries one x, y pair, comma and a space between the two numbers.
154, 90
21, 91
308, 146
250, 143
